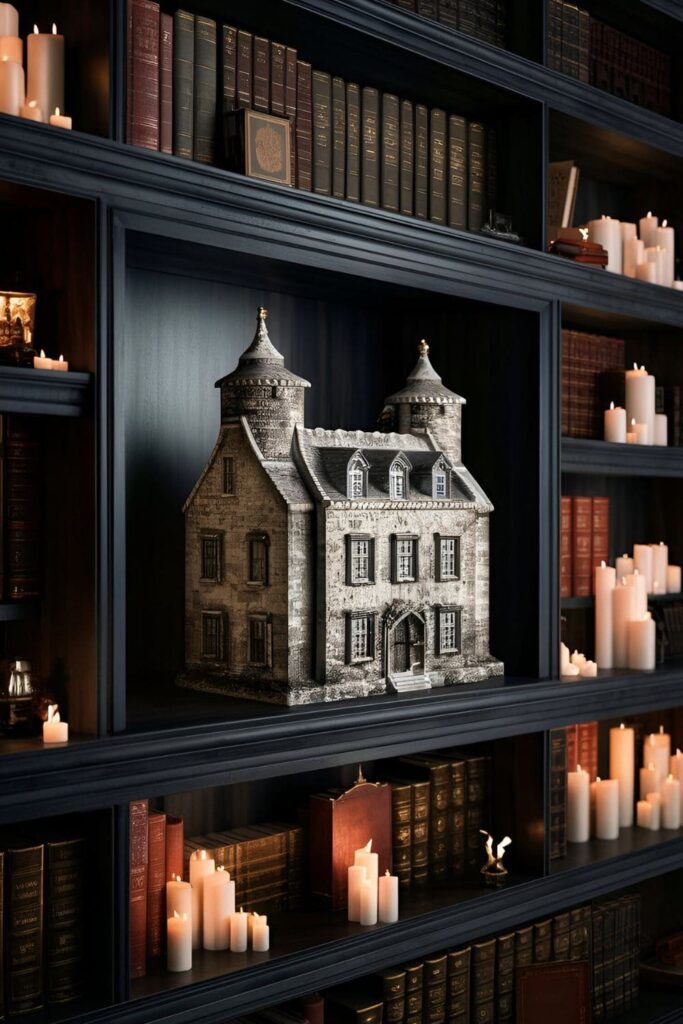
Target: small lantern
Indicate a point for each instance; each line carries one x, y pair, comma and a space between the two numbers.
17, 318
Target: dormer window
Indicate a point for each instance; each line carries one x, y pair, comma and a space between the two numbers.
440, 479
398, 478
357, 477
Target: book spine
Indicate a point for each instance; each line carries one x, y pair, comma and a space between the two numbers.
587, 748
477, 812
490, 170
261, 66
143, 73
570, 40
390, 152
483, 981
476, 177
582, 546
566, 547
421, 162
338, 138
290, 101
437, 166
580, 933
229, 82
137, 887
65, 920
22, 507
353, 142
245, 76
427, 8
156, 886
369, 144
183, 84
304, 127
402, 832
600, 534
205, 88
322, 133
598, 965
420, 833
166, 85
24, 976
448, 13
561, 936
458, 997
555, 35
435, 990
572, 732
175, 838
439, 823
558, 793
542, 941
524, 947
407, 158
584, 45
505, 978
278, 58
394, 996
457, 170
414, 989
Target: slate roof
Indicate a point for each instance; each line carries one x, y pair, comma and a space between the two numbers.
261, 363
424, 385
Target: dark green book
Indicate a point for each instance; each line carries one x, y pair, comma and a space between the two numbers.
369, 178
476, 177
421, 162
390, 152
352, 142
457, 172
322, 133
437, 166
183, 84
338, 137
407, 158
205, 88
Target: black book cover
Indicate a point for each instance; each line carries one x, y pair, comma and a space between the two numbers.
205, 87
390, 152
183, 84
338, 137
437, 166
322, 133
369, 146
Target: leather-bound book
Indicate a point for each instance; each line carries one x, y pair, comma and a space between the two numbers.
353, 121
555, 35
457, 172
205, 88
183, 84
245, 66
339, 824
458, 812
156, 886
414, 987
24, 928
175, 838
338, 138
491, 170
524, 946
566, 547
356, 1003
558, 793
597, 962
587, 748
421, 833
448, 13
421, 162
142, 93
65, 893
608, 957
427, 8
393, 984
137, 887
580, 920
484, 981
322, 133
407, 158
229, 65
436, 771
166, 84
437, 166
458, 997
505, 978
390, 153
261, 67
304, 127
290, 101
369, 177
22, 507
600, 533
570, 40
402, 830
582, 546
407, 5
561, 936
435, 988
478, 812
584, 45
476, 176
554, 992
278, 56
313, 1008
543, 941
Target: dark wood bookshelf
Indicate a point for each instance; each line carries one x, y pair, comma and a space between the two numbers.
602, 458
44, 392
18, 611
588, 600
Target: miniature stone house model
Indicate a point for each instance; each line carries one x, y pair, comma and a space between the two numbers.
323, 564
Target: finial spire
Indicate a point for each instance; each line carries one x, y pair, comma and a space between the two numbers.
423, 348
262, 313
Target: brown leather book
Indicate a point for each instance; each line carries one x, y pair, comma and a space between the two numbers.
353, 120
421, 833
600, 534
565, 543
261, 94
137, 887
142, 74
524, 946
290, 102
322, 133
156, 886
356, 1003
304, 127
457, 172
229, 65
437, 166
175, 838
24, 928
437, 771
370, 136
22, 507
484, 981
434, 991
505, 978
166, 84
205, 90
64, 920
407, 158
421, 161
582, 546
338, 137
183, 84
458, 998
554, 992
476, 177
393, 984
448, 13
402, 829
561, 936
390, 153
244, 69
558, 793
543, 932
278, 57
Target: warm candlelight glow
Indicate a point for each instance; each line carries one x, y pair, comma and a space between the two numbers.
54, 33
611, 405
57, 112
35, 30
53, 713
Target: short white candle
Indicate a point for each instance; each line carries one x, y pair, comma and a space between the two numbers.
639, 584
60, 364
45, 66
178, 897
624, 566
666, 242
622, 760
59, 120
201, 865
564, 657
673, 579
648, 228
647, 271
647, 815
368, 903
671, 803
578, 659
31, 111
605, 576
578, 806
678, 285
634, 253
54, 730
589, 670
642, 558
649, 781
218, 908
260, 938
238, 932
655, 801
615, 424
642, 640
42, 362
607, 232
356, 876
11, 87
252, 921
660, 560
607, 808
388, 898
179, 943
661, 429
641, 431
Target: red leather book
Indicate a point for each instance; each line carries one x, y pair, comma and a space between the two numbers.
137, 887
166, 85
156, 885
143, 39
566, 547
582, 546
600, 532
554, 991
582, 748
175, 841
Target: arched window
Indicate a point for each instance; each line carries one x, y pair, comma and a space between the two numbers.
398, 480
357, 477
441, 479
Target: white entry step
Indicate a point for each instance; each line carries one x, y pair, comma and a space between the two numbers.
404, 681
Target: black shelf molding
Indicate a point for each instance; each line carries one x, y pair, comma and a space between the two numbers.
44, 392
588, 601
603, 458
18, 611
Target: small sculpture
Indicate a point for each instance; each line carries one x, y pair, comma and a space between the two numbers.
493, 871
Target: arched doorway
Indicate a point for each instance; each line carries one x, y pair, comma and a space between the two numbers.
407, 646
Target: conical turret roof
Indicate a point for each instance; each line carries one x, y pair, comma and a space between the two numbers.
261, 363
424, 385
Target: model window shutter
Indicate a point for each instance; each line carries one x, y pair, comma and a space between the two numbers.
349, 569
416, 558
437, 629
371, 559
347, 630
437, 557
458, 630
371, 635
394, 559
457, 557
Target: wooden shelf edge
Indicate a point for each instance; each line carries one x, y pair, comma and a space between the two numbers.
603, 458
588, 602
43, 392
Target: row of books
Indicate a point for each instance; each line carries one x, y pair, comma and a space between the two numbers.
588, 360
20, 504
584, 543
353, 142
569, 746
591, 51
483, 19
43, 923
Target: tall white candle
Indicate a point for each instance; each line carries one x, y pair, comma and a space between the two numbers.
647, 815
634, 253
11, 87
642, 558
388, 898
623, 611
604, 585
640, 397
201, 865
660, 560
624, 566
671, 803
655, 800
642, 639
661, 429
622, 766
656, 256
649, 781
179, 943
368, 903
218, 908
639, 584
648, 229
607, 232
370, 861
9, 20
657, 752
238, 932
45, 62
666, 242
356, 875
578, 806
607, 809
615, 424
673, 579
178, 898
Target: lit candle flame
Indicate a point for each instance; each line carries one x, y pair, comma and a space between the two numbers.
42, 353
664, 223
502, 845
368, 847
603, 564
53, 713
54, 29
633, 422
611, 405
661, 730
649, 213
35, 30
57, 112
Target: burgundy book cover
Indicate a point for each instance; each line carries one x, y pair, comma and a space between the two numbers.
566, 547
137, 887
166, 85
600, 532
156, 886
557, 992
175, 841
582, 546
341, 822
142, 106
582, 748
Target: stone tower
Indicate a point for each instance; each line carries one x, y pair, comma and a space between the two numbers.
426, 404
268, 395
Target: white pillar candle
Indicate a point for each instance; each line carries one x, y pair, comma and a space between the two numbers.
678, 285
201, 865
639, 584
650, 781
615, 424
647, 815
642, 638
370, 861
252, 920
238, 932
631, 436
666, 242
607, 232
13, 48
604, 585
218, 908
179, 943
9, 20
11, 87
260, 936
640, 431
45, 65
60, 364
571, 671
676, 765
655, 801
54, 730
634, 253
640, 397
31, 111
648, 228
578, 806
356, 876
368, 903
671, 803
673, 579
657, 751
388, 898
178, 898
642, 560
564, 657
589, 670
624, 566
623, 611
660, 560
59, 120
607, 809
661, 429
622, 766
42, 362
627, 230
647, 271
656, 256
578, 659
